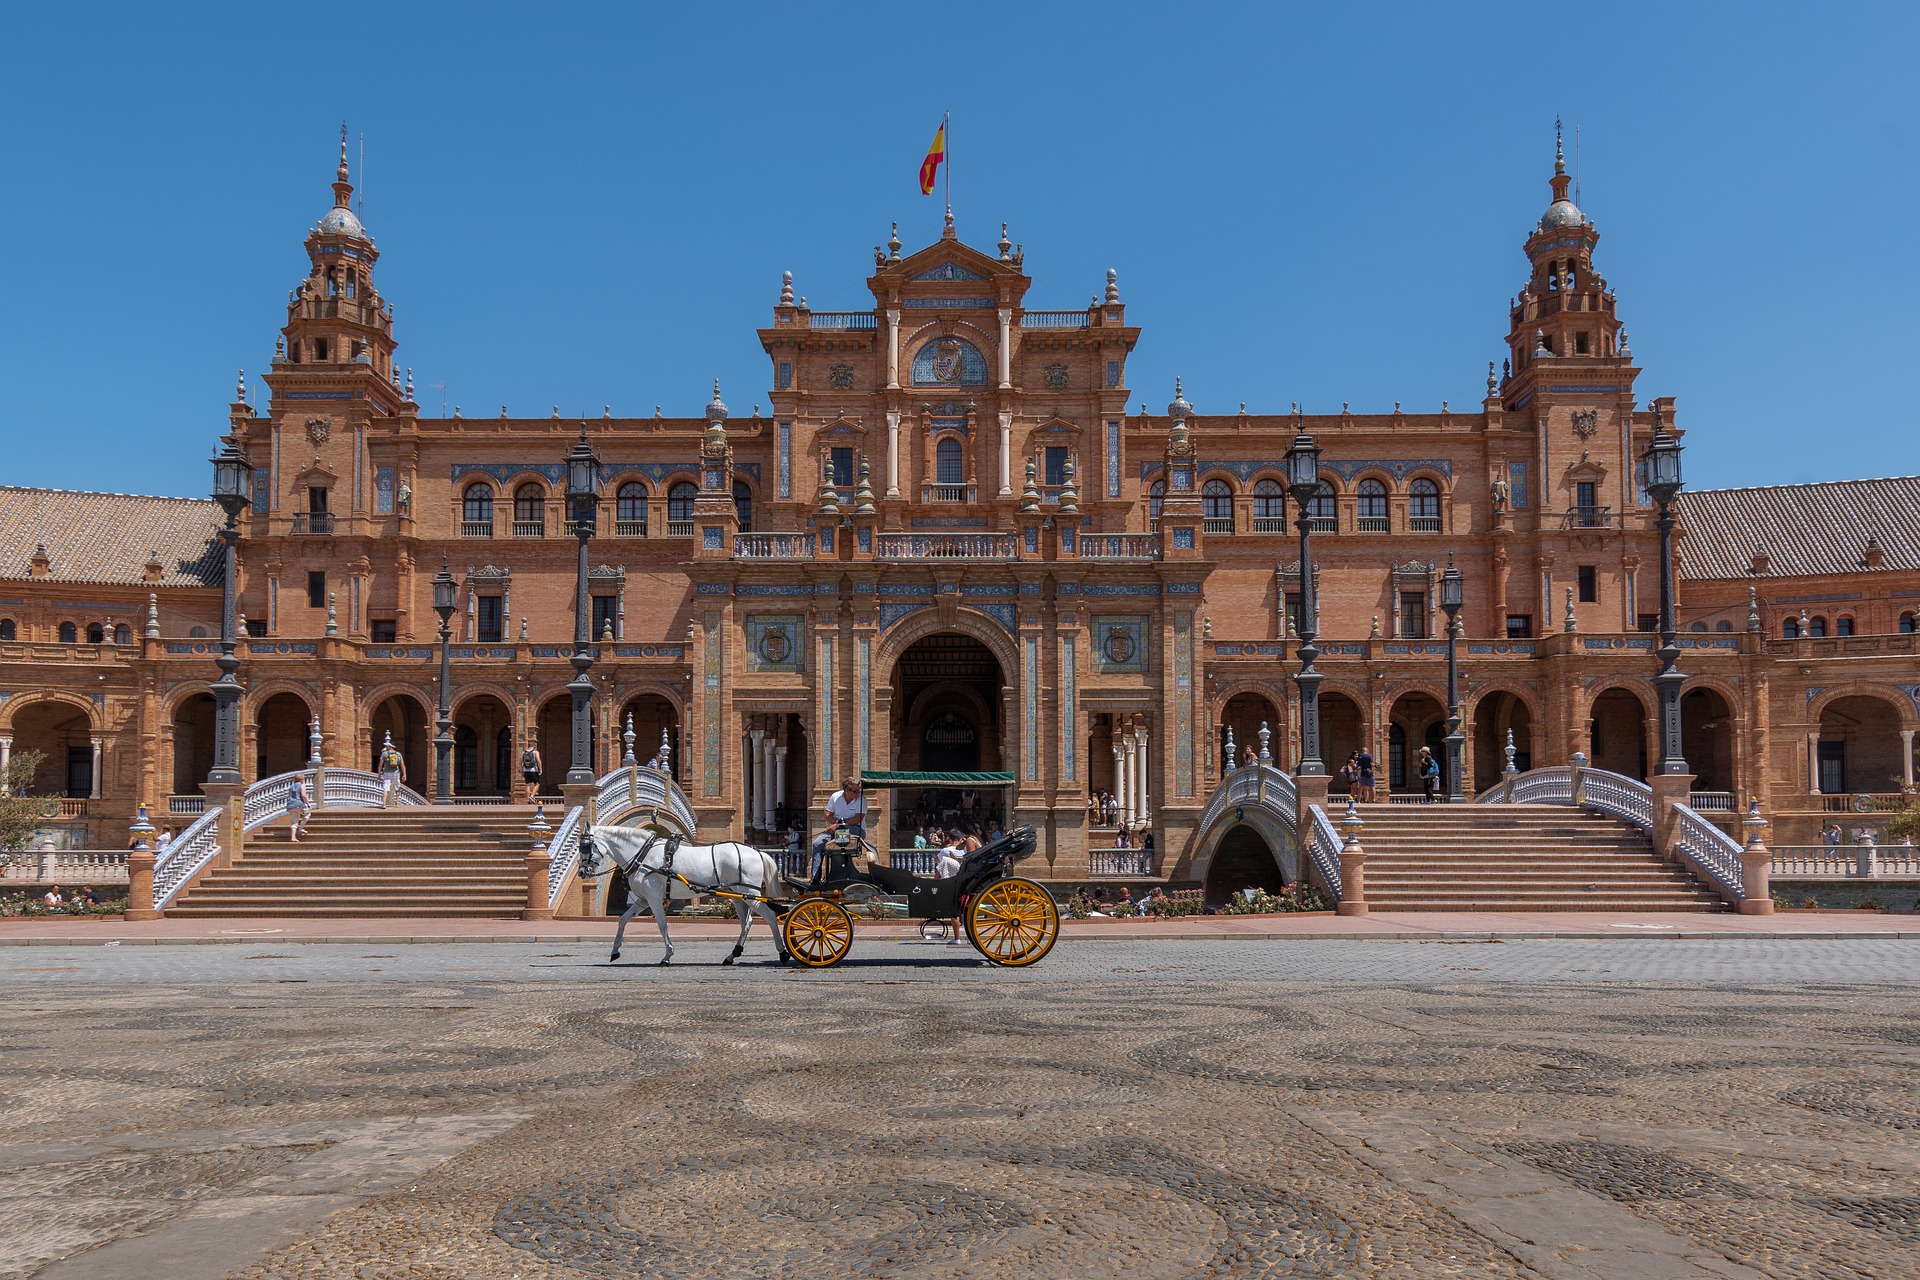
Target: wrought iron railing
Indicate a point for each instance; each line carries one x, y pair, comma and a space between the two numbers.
312, 522
1588, 518
1713, 853
1119, 546
945, 546
1323, 846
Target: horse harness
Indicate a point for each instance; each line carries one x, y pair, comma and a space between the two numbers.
666, 869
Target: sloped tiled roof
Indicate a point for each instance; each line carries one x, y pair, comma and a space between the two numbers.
107, 537
1805, 529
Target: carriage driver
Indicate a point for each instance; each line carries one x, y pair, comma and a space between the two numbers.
845, 808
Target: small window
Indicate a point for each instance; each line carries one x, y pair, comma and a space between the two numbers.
385, 630
476, 505
7, 629
1156, 494
96, 634
256, 627
196, 633
1907, 624
630, 504
1843, 626
680, 502
1519, 626
1648, 622
949, 463
1054, 465
1790, 628
743, 505
69, 634
1546, 340
1723, 625
604, 616
1580, 344
123, 634
316, 590
530, 505
317, 499
1818, 627
1589, 584
1372, 506
1293, 612
1269, 501
1423, 506
1216, 500
841, 459
320, 350
1413, 615
489, 619
1698, 626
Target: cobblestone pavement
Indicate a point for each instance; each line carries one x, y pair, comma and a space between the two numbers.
1546, 1109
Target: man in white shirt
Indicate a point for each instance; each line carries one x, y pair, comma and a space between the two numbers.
845, 808
948, 864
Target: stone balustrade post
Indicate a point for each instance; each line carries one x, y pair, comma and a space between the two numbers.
1756, 867
1578, 766
1866, 853
1353, 865
539, 863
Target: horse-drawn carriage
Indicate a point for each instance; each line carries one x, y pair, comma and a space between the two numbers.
1009, 919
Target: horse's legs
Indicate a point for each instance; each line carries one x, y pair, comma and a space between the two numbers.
746, 921
773, 924
655, 887
633, 905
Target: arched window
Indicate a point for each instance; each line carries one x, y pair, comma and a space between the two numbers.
529, 511
7, 630
1818, 627
123, 634
1156, 494
743, 505
1321, 510
1790, 628
949, 463
680, 506
196, 633
1698, 626
1908, 623
1216, 506
69, 633
476, 511
96, 634
1723, 625
630, 510
1423, 506
1843, 625
1269, 507
1373, 507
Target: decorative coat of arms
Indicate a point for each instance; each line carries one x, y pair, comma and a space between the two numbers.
1056, 375
1586, 422
317, 429
948, 360
840, 375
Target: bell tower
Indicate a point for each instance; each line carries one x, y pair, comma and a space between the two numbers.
1564, 312
337, 321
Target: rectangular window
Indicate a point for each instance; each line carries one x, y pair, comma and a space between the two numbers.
316, 590
1519, 626
605, 609
1580, 344
320, 349
1056, 466
1293, 611
1413, 615
489, 619
1517, 485
317, 499
1586, 495
1589, 584
842, 467
256, 626
385, 630
1649, 621
1641, 496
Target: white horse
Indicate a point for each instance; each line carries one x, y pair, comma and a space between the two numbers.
641, 854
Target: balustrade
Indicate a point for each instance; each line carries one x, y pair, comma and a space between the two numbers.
842, 320
476, 528
945, 546
948, 492
773, 546
1119, 546
1271, 524
1111, 863
629, 528
679, 528
312, 522
1056, 320
529, 528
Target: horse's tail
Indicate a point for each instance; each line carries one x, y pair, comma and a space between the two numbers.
769, 874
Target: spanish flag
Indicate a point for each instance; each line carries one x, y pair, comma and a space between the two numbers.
930, 167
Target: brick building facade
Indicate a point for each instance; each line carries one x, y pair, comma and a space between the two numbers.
952, 545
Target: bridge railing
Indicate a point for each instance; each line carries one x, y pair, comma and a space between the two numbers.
1323, 846
176, 865
564, 849
1577, 785
1260, 784
634, 787
1713, 854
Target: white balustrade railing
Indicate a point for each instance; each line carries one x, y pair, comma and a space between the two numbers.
1712, 852
773, 546
1622, 797
176, 865
564, 848
945, 546
1844, 861
358, 789
631, 788
1256, 784
1323, 846
1112, 863
1551, 785
919, 862
793, 863
1119, 546
66, 866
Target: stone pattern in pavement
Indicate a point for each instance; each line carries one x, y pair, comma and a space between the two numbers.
1169, 1110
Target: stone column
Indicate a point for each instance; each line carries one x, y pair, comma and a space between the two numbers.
1906, 757
893, 454
1119, 778
95, 793
1123, 778
1144, 788
1006, 348
6, 758
893, 348
769, 796
1813, 763
780, 775
756, 778
1006, 455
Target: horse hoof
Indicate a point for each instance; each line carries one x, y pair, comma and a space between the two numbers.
613, 957
665, 961
728, 960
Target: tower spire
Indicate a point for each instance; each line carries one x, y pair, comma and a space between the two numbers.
342, 187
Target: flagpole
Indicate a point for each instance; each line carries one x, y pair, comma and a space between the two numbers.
946, 127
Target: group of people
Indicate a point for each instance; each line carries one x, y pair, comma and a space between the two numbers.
1363, 782
945, 807
1102, 809
84, 896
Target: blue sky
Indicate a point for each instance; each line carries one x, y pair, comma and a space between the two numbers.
585, 207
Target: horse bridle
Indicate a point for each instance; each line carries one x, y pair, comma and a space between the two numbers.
590, 864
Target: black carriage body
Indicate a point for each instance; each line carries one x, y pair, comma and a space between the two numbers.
928, 898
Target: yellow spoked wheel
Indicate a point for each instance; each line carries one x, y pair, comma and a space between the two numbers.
1013, 922
819, 933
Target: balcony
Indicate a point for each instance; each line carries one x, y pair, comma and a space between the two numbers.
842, 320
529, 528
945, 546
679, 528
1056, 320
1373, 524
476, 528
948, 492
1424, 524
312, 522
1217, 525
1119, 546
1270, 524
1588, 518
773, 546
1325, 524
629, 528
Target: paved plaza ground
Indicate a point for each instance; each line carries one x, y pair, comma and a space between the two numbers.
1630, 1107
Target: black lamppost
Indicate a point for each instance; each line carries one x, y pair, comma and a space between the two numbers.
583, 498
1663, 482
232, 475
1452, 596
444, 604
1303, 481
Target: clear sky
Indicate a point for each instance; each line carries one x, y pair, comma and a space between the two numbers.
1325, 204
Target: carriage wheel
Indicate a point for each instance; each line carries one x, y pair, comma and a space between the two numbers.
1013, 922
819, 933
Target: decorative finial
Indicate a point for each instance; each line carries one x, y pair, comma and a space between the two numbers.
1540, 343
1006, 245
606, 411
340, 174
946, 232
1233, 754
1559, 155
786, 288
716, 408
1030, 492
1493, 383
1374, 634
627, 738
1266, 737
314, 739
153, 616
1179, 409
240, 387
606, 631
1510, 751
863, 491
333, 618
1113, 287
1626, 348
893, 243
1573, 623
1069, 494
409, 384
1753, 608
523, 629
280, 347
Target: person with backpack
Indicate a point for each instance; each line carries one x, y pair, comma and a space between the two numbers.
1429, 777
393, 772
532, 768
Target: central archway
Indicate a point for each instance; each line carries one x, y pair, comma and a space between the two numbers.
946, 718
1242, 860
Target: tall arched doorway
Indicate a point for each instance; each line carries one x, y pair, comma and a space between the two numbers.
1242, 860
555, 735
1417, 720
1618, 742
1706, 739
483, 763
1245, 715
405, 719
1860, 746
946, 718
280, 729
1342, 730
192, 743
1496, 715
63, 735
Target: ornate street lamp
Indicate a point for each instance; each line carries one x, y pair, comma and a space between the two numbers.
1663, 482
1452, 596
444, 603
1303, 481
232, 478
583, 500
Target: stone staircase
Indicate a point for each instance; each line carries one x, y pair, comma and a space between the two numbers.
415, 861
1518, 858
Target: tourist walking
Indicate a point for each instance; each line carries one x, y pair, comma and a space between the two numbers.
299, 806
393, 772
1351, 772
532, 769
1367, 781
1429, 777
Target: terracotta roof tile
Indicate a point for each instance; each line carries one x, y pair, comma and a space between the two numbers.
1805, 529
108, 537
